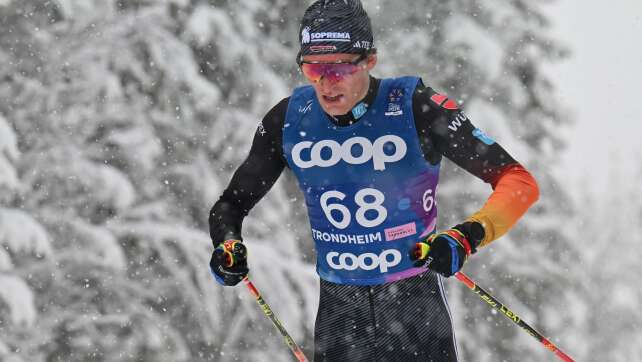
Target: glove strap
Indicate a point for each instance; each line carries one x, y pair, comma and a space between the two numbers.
460, 238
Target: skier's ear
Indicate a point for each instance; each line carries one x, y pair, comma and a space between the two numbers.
372, 61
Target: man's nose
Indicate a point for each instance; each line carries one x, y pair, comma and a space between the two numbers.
326, 84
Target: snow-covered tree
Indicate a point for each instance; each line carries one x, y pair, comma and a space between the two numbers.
607, 225
22, 238
127, 117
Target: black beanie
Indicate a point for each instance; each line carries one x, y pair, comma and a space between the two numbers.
335, 26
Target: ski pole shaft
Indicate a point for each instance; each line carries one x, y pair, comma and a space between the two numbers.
298, 353
484, 295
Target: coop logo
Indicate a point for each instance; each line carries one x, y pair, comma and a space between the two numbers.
385, 149
367, 261
329, 36
305, 35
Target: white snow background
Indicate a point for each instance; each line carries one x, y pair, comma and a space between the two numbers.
122, 121
602, 83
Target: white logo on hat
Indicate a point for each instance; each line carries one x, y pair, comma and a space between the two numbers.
363, 44
305, 35
330, 36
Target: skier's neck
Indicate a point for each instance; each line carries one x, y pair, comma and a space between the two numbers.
359, 109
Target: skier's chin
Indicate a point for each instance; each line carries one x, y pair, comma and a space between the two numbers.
335, 107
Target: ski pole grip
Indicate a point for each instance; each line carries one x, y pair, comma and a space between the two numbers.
235, 252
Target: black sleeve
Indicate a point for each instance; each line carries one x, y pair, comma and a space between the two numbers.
253, 179
444, 129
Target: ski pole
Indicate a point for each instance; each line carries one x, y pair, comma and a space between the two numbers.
484, 295
268, 312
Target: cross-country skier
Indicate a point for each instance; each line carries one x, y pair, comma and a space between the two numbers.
366, 153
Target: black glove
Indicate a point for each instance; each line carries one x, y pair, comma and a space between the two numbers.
447, 251
229, 262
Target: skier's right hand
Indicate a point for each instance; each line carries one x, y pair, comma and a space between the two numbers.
229, 262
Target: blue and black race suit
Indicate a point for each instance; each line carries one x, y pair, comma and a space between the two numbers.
370, 186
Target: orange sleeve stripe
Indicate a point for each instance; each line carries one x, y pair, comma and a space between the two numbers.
514, 192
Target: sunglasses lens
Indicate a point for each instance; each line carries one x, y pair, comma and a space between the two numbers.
339, 71
313, 72
332, 72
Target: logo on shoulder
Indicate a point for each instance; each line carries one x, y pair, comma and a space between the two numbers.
261, 129
457, 121
443, 101
480, 135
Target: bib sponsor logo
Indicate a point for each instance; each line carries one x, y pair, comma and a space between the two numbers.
400, 231
346, 238
367, 261
394, 109
369, 151
305, 109
359, 110
395, 95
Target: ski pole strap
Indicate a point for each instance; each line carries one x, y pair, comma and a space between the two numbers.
484, 295
298, 353
460, 238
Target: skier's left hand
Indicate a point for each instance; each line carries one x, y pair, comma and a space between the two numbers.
447, 251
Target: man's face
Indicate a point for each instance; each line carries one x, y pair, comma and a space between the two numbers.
338, 97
